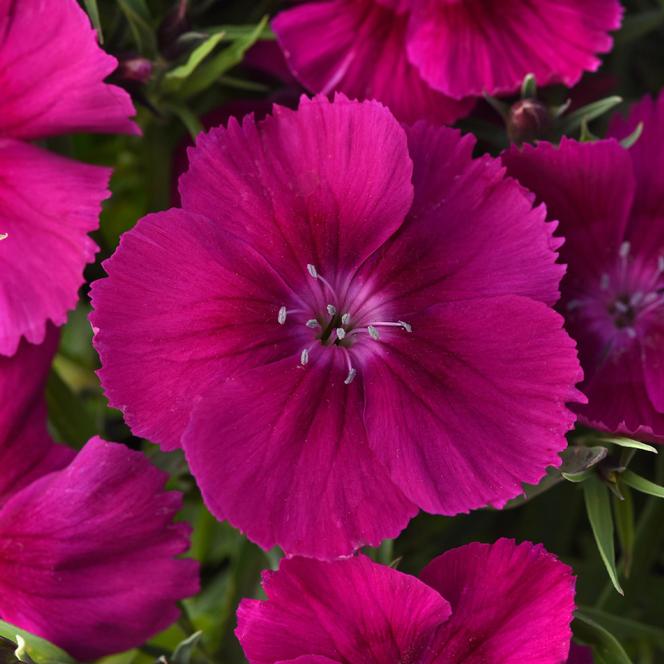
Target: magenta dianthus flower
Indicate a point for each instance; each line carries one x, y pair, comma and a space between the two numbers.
506, 603
87, 544
347, 321
610, 204
429, 58
51, 82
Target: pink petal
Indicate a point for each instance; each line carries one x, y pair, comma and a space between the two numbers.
326, 184
652, 355
186, 304
363, 55
472, 402
87, 554
52, 73
26, 449
275, 441
510, 604
351, 610
588, 188
48, 205
471, 232
468, 48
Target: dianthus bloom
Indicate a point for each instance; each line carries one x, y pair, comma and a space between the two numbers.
610, 204
347, 321
429, 58
87, 544
51, 82
503, 603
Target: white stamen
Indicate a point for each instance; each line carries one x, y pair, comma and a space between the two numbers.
406, 326
331, 309
312, 270
341, 333
304, 357
345, 319
400, 323
281, 316
624, 249
312, 323
631, 332
3, 236
604, 281
351, 376
373, 333
621, 307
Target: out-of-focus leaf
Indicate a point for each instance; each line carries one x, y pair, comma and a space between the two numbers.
529, 86
624, 515
598, 507
215, 66
187, 117
627, 442
637, 25
628, 141
606, 648
184, 650
31, 648
642, 484
626, 628
140, 22
234, 32
93, 13
574, 120
197, 56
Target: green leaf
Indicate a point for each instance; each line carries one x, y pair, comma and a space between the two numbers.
197, 56
184, 650
626, 628
638, 25
606, 647
214, 67
623, 511
530, 491
187, 117
628, 141
140, 23
573, 121
32, 648
578, 477
93, 13
627, 442
529, 87
642, 484
598, 507
578, 458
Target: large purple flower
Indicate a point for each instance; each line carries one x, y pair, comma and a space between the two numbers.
610, 203
429, 58
504, 603
51, 82
345, 315
87, 543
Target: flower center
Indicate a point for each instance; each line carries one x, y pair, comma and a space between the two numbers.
339, 323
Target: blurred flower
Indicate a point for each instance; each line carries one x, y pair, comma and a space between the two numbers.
478, 603
314, 329
87, 543
51, 82
610, 205
428, 59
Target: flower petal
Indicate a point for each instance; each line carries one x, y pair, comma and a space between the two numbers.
87, 554
469, 48
52, 73
48, 205
350, 610
511, 603
185, 305
471, 233
326, 184
26, 449
274, 441
472, 402
588, 188
356, 31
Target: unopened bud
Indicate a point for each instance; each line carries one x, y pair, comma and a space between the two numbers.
527, 120
135, 69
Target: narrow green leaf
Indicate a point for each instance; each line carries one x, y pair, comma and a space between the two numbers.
638, 25
578, 477
605, 646
529, 87
195, 58
628, 442
184, 650
573, 121
642, 484
140, 22
214, 67
93, 13
623, 511
234, 32
577, 458
626, 627
628, 141
188, 119
598, 507
32, 648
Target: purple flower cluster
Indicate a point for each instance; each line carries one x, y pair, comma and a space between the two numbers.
349, 319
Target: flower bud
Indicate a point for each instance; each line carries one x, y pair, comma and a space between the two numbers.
527, 120
135, 69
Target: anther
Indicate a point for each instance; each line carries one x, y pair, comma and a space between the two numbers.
373, 333
3, 236
345, 319
281, 316
331, 309
341, 333
406, 326
351, 376
312, 270
312, 323
304, 357
624, 249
